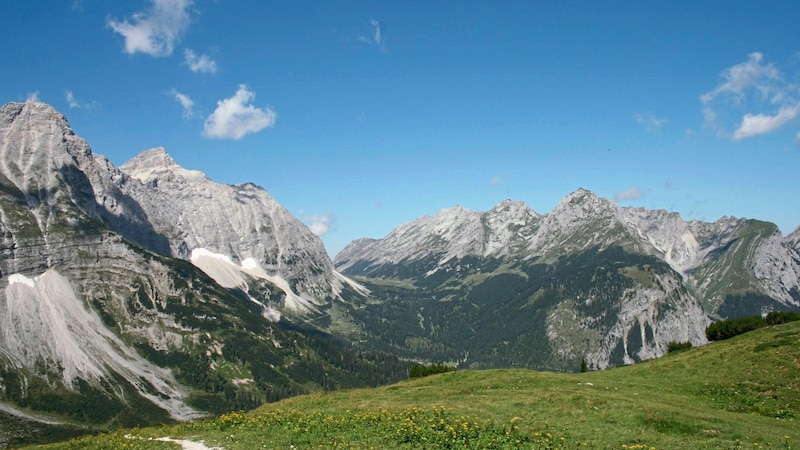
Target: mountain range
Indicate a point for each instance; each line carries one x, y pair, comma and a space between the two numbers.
589, 282
148, 292
707, 256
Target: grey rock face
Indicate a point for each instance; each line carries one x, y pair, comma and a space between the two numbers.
61, 180
241, 221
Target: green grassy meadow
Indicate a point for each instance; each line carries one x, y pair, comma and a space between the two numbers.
742, 393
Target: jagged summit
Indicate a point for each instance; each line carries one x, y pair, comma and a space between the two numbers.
241, 224
580, 193
453, 232
585, 201
513, 208
31, 109
154, 158
37, 138
156, 164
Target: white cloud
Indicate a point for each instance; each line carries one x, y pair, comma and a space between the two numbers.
756, 124
155, 30
751, 74
235, 117
186, 103
632, 193
376, 37
499, 180
650, 121
74, 103
71, 99
320, 225
752, 99
199, 64
33, 96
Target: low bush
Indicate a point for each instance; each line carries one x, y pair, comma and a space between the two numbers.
779, 317
422, 370
678, 346
726, 329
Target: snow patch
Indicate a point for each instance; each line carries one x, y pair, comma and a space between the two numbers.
19, 278
220, 268
358, 287
250, 264
271, 314
232, 276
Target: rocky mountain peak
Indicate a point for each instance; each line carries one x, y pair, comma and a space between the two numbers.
448, 221
585, 200
512, 208
156, 164
36, 138
453, 232
579, 194
206, 221
581, 206
32, 111
153, 158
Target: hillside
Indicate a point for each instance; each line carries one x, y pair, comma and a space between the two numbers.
739, 393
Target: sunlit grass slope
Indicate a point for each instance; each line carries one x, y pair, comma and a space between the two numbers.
739, 393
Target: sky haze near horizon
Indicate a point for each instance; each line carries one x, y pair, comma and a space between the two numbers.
360, 116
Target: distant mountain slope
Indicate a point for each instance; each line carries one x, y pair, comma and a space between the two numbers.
588, 281
728, 257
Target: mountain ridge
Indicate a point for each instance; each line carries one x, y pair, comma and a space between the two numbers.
582, 220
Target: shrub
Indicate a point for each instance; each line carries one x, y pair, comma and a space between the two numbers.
678, 346
779, 317
422, 370
726, 329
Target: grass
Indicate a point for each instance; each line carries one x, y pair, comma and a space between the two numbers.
743, 393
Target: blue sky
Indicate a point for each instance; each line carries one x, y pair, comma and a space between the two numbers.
360, 116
